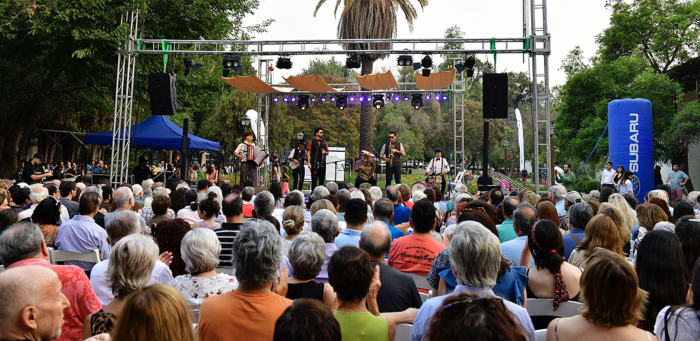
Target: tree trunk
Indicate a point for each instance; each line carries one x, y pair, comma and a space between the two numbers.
366, 112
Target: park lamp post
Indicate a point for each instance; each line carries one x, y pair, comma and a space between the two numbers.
505, 156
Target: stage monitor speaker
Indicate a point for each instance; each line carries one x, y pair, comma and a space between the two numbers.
495, 95
161, 87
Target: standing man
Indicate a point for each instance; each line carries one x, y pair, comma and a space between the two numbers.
142, 172
607, 178
34, 171
316, 158
249, 169
557, 173
297, 156
567, 179
678, 179
392, 152
438, 166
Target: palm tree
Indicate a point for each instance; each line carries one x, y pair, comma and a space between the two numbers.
371, 19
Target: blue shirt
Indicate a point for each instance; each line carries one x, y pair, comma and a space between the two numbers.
514, 248
401, 214
421, 325
348, 237
109, 216
676, 177
569, 243
560, 207
82, 235
505, 231
395, 233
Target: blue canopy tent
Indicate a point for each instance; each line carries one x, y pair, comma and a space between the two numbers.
156, 132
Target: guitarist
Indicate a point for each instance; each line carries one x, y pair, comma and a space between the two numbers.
296, 162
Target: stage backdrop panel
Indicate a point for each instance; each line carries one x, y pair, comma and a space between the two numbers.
631, 141
335, 166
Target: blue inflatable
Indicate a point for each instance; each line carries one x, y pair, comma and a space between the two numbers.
631, 141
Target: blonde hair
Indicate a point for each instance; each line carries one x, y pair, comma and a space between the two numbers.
657, 193
293, 219
323, 204
622, 302
649, 215
627, 214
131, 263
531, 197
602, 232
158, 312
613, 213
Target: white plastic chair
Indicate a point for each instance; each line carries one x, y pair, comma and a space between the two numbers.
543, 307
420, 280
424, 297
56, 256
403, 331
541, 334
2, 268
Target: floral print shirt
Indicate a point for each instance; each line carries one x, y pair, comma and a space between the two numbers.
197, 289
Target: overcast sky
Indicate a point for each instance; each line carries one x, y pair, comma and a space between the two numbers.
570, 23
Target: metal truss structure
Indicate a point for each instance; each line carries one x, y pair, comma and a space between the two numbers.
537, 44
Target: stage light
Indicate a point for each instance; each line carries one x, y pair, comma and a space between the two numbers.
444, 97
427, 97
323, 99
469, 63
231, 63
275, 99
362, 98
332, 98
416, 66
437, 97
284, 63
303, 102
405, 98
190, 65
285, 99
470, 73
404, 60
352, 98
426, 62
313, 99
378, 101
352, 62
293, 99
342, 102
417, 101
368, 98
397, 98
459, 67
426, 72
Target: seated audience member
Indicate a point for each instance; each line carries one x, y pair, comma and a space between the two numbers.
67, 192
649, 215
552, 277
531, 198
479, 318
459, 200
475, 256
293, 224
594, 195
608, 314
81, 234
37, 195
579, 216
325, 224
355, 218
415, 253
600, 232
121, 225
318, 193
307, 255
350, 273
680, 322
190, 213
47, 215
169, 239
200, 250
138, 194
688, 232
207, 210
132, 260
252, 308
265, 206
343, 196
247, 195
35, 316
682, 209
322, 204
384, 211
398, 291
296, 198
307, 319
8, 217
523, 218
505, 230
157, 312
22, 244
628, 213
124, 201
376, 193
232, 208
401, 212
147, 212
160, 206
405, 193
334, 200
547, 211
662, 274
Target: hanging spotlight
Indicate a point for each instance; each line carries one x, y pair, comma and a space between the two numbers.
397, 98
284, 63
342, 102
294, 99
378, 101
303, 102
190, 65
427, 97
332, 98
231, 63
404, 60
469, 63
353, 61
352, 98
417, 101
416, 66
426, 62
470, 73
437, 97
444, 97
426, 72
362, 98
405, 98
275, 99
368, 98
313, 99
285, 99
323, 99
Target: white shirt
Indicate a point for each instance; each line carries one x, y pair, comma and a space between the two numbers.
98, 279
559, 171
28, 213
243, 150
436, 167
607, 177
191, 217
400, 145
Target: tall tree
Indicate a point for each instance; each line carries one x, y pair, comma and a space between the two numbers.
371, 19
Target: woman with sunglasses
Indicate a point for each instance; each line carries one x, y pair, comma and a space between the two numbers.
47, 215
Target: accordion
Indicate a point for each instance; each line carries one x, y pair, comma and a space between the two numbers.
255, 154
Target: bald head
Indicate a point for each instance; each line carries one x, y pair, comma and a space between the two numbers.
375, 239
37, 316
123, 198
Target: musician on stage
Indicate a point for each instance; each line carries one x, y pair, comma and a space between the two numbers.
438, 166
392, 152
249, 169
296, 162
365, 167
316, 158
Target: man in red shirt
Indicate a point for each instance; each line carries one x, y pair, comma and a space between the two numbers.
415, 253
23, 244
247, 196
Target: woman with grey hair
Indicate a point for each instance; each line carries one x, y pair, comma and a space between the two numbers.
343, 196
200, 250
319, 193
307, 254
131, 263
375, 193
252, 307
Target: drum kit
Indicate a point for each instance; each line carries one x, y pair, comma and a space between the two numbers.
434, 179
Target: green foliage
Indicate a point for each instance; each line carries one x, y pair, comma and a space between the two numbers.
688, 129
331, 68
584, 185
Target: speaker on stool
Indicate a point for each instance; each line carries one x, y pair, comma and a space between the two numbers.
495, 95
161, 87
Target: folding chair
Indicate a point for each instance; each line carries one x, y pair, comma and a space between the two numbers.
403, 331
56, 256
543, 307
541, 334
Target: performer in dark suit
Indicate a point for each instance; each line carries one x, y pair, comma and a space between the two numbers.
392, 152
316, 158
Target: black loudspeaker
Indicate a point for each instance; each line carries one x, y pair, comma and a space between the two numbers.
495, 95
161, 87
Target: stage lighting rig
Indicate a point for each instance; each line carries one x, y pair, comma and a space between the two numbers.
405, 98
353, 61
426, 62
190, 65
342, 102
285, 99
284, 63
468, 65
275, 99
293, 99
303, 102
323, 99
378, 101
397, 98
444, 97
417, 101
404, 61
332, 98
231, 62
425, 72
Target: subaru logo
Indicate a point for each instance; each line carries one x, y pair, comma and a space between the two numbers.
635, 185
